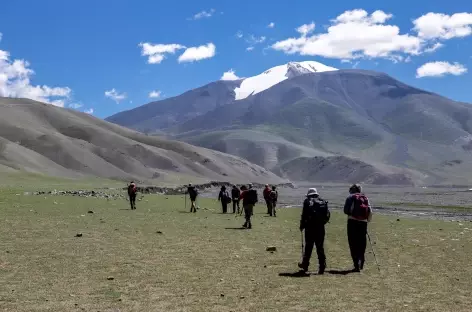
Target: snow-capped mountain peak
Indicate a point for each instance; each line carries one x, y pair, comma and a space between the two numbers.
274, 75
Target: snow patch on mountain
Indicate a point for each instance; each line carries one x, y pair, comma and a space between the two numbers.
273, 76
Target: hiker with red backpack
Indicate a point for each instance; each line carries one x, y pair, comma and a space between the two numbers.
266, 194
359, 212
315, 215
132, 190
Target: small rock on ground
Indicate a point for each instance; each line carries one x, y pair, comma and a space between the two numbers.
271, 248
78, 235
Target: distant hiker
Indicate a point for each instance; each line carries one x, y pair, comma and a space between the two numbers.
235, 194
315, 215
132, 190
266, 194
358, 208
192, 193
273, 196
249, 200
225, 199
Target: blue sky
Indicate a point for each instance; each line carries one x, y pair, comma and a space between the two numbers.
79, 50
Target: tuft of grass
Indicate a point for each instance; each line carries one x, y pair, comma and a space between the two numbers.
202, 262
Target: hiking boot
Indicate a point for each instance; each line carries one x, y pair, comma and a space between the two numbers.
356, 269
361, 265
249, 226
245, 225
321, 270
303, 267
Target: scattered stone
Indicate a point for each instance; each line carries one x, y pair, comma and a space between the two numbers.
90, 211
242, 297
159, 232
78, 235
8, 251
222, 295
110, 278
265, 266
440, 229
398, 220
271, 248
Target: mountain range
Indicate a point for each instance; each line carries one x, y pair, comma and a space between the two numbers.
45, 139
309, 122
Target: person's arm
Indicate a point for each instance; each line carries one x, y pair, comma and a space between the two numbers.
348, 205
369, 218
304, 215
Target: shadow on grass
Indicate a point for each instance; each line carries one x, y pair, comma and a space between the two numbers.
341, 272
296, 274
185, 211
235, 228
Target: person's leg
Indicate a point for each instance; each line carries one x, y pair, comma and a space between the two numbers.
247, 215
251, 209
134, 201
274, 204
269, 210
319, 242
225, 207
309, 242
234, 206
352, 236
362, 243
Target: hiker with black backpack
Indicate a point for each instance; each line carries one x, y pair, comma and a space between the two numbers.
358, 208
315, 215
266, 193
132, 190
235, 194
249, 200
273, 196
225, 199
192, 193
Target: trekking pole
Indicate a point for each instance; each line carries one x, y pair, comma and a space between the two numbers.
373, 252
185, 199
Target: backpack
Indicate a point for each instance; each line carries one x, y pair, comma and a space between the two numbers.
192, 191
318, 210
226, 198
251, 196
360, 207
132, 189
273, 195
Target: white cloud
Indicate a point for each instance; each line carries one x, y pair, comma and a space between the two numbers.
271, 25
15, 81
115, 95
249, 48
440, 69
156, 52
154, 94
255, 40
443, 26
203, 14
89, 111
230, 75
305, 29
354, 34
434, 47
239, 34
198, 53
75, 105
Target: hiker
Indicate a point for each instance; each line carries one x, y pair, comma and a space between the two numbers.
235, 193
315, 215
132, 190
192, 193
266, 194
273, 196
224, 197
358, 208
249, 198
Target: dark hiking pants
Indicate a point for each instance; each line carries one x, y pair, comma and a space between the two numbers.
314, 236
224, 206
269, 206
248, 209
236, 204
357, 237
132, 201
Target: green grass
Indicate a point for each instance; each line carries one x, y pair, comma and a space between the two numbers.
426, 206
44, 267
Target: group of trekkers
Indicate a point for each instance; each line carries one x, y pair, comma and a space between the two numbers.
315, 215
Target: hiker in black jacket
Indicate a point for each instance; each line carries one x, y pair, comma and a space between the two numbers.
235, 194
132, 190
273, 197
359, 212
249, 200
223, 196
315, 215
193, 193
